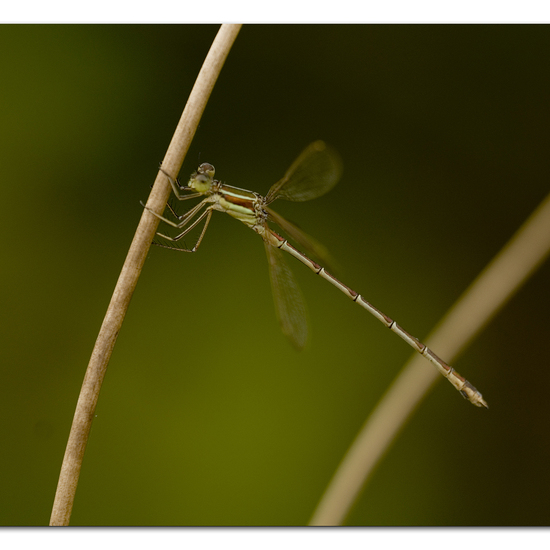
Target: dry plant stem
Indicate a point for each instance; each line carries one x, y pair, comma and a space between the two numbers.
80, 429
480, 302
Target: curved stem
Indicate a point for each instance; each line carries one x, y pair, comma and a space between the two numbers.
89, 393
495, 285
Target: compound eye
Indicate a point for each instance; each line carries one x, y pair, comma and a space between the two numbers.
201, 179
207, 169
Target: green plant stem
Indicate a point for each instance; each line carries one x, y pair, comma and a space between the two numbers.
495, 285
89, 393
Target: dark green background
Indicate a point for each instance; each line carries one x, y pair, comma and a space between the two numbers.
207, 416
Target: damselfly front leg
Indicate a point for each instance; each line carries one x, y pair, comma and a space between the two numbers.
177, 187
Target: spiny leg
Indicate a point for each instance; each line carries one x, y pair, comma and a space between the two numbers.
174, 213
185, 218
206, 214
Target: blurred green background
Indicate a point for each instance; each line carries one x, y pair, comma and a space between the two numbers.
207, 415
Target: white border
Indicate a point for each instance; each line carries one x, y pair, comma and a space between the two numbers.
281, 11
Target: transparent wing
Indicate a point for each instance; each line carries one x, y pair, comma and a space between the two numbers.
289, 302
307, 242
316, 171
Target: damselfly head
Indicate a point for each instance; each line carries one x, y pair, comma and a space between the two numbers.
203, 178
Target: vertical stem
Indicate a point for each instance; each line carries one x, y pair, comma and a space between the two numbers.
89, 393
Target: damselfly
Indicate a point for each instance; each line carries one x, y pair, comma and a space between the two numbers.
315, 171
